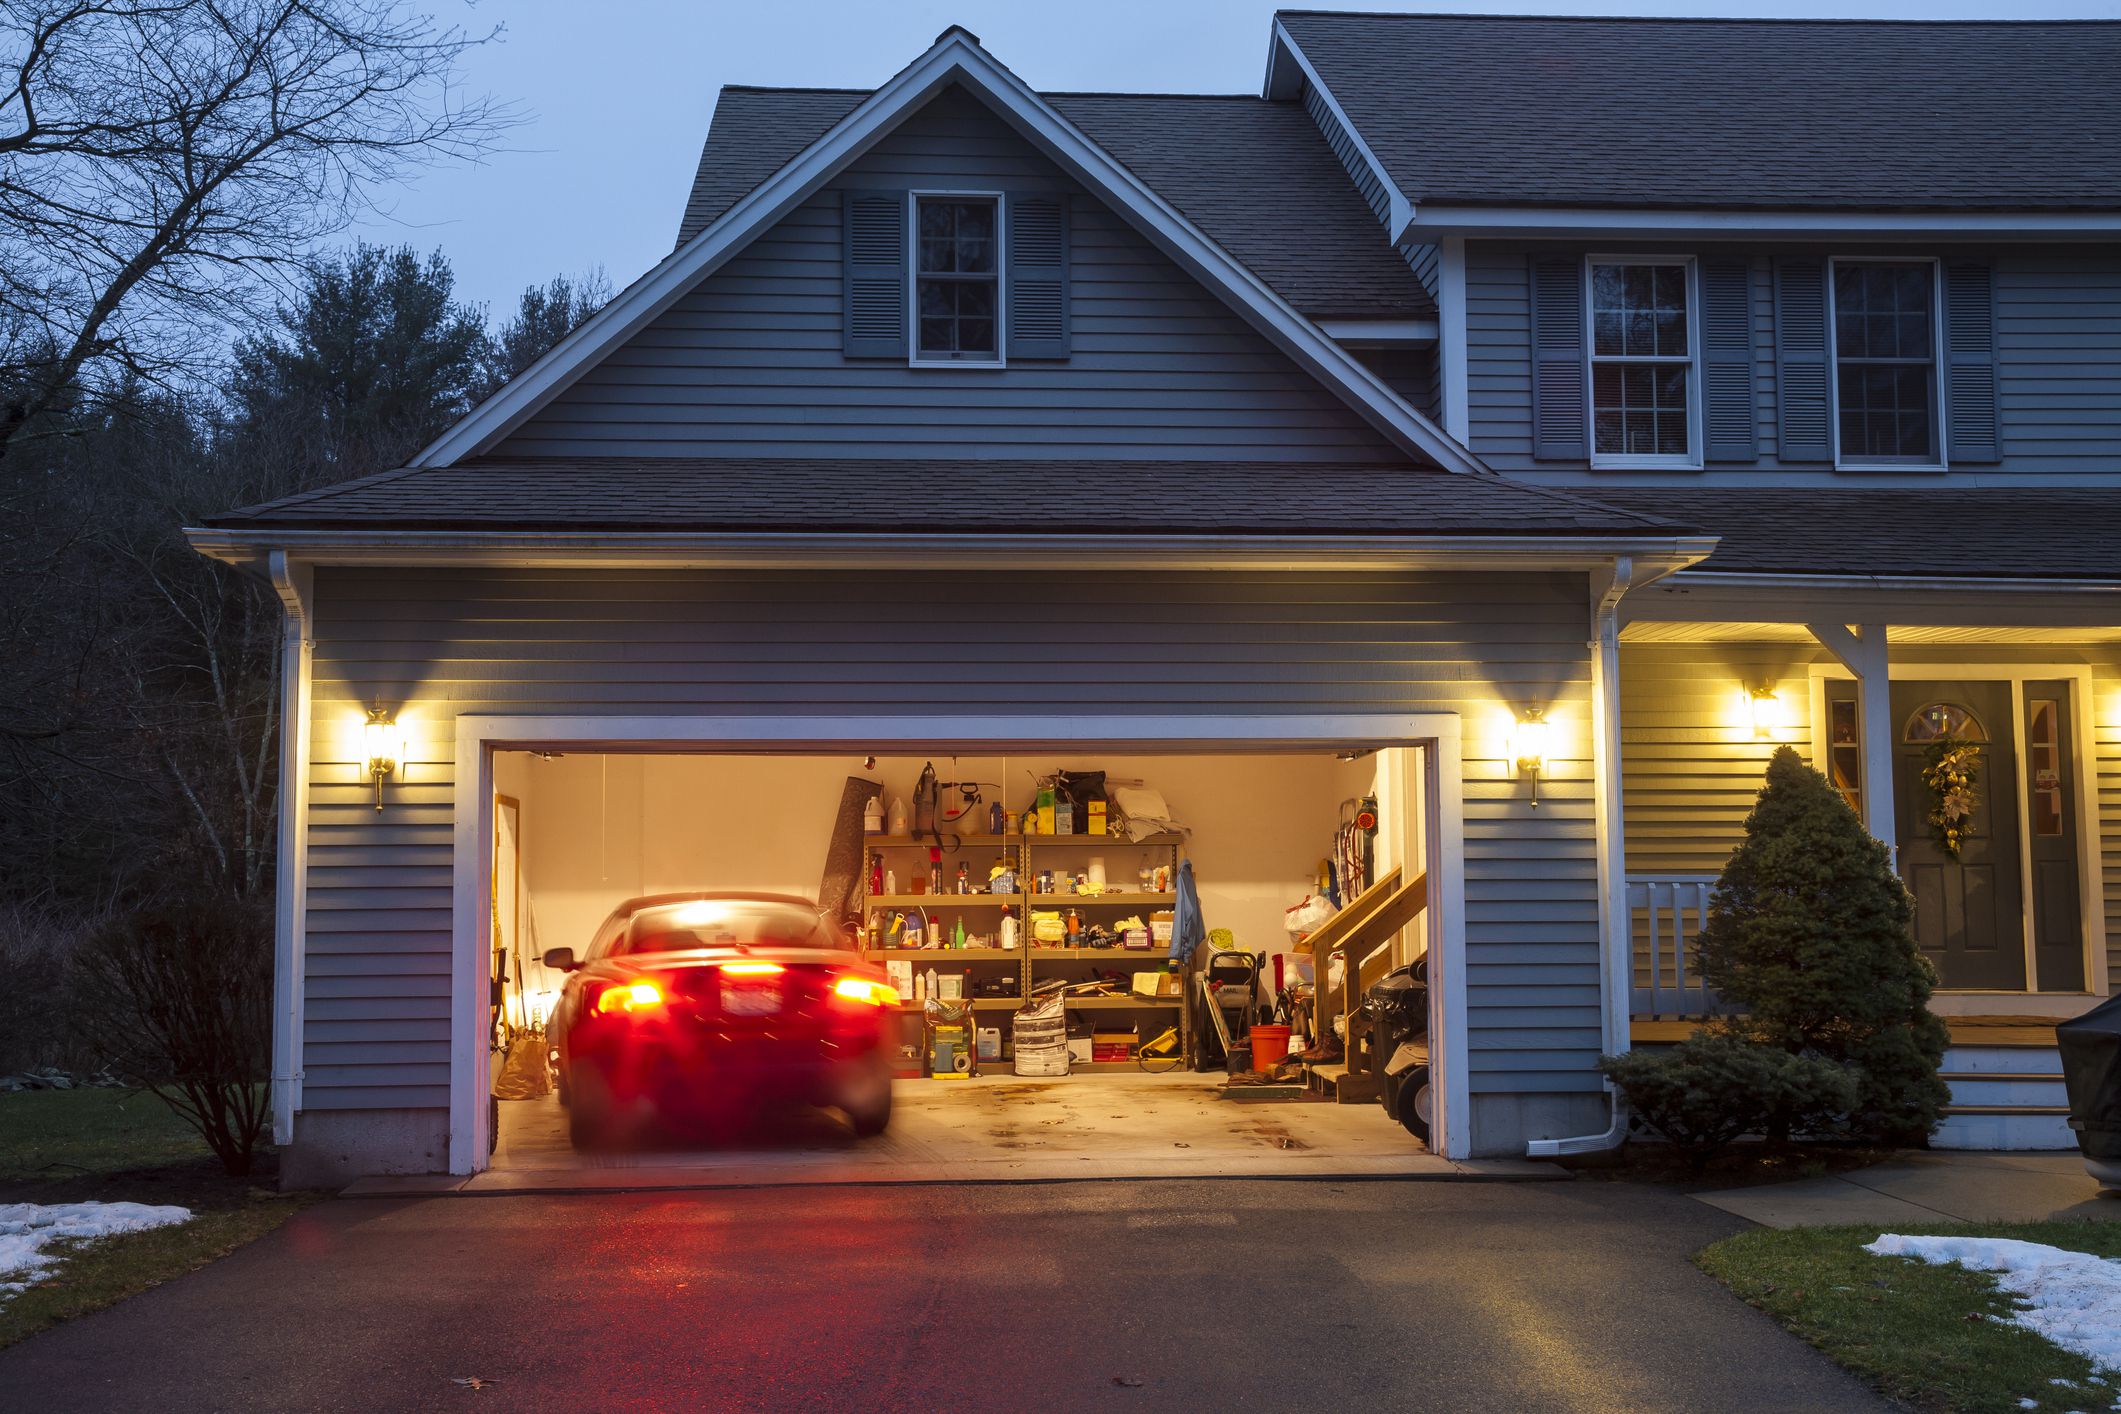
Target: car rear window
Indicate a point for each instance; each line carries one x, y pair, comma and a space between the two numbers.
728, 923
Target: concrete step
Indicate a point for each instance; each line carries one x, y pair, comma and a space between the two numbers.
2015, 1060
1985, 1090
2004, 1127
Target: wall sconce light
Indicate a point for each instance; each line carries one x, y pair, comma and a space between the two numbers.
383, 744
1530, 737
1764, 709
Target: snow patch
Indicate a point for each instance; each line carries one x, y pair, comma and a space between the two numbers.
26, 1229
2072, 1298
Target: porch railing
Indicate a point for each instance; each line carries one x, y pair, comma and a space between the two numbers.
1666, 912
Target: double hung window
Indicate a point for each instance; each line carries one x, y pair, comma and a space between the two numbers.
1885, 363
1644, 366
957, 279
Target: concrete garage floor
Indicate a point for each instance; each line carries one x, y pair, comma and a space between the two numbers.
995, 1128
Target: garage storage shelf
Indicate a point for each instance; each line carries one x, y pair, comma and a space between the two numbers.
1027, 854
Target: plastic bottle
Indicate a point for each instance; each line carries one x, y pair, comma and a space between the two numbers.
891, 881
957, 934
898, 815
873, 816
1009, 930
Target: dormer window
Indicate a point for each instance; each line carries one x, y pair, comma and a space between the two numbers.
1643, 372
957, 279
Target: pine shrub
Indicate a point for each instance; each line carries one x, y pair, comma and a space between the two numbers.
1810, 936
1704, 1092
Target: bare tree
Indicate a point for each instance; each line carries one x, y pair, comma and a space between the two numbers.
161, 160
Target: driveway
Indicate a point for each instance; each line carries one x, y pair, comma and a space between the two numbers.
1076, 1296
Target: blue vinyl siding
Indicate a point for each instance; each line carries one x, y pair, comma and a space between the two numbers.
1373, 191
750, 363
2058, 350
435, 644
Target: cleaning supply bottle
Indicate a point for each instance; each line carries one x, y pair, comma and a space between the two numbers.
957, 934
1009, 929
873, 816
876, 873
898, 815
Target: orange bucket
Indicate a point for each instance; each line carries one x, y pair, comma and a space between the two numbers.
1270, 1046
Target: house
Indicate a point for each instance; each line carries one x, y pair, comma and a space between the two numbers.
1567, 411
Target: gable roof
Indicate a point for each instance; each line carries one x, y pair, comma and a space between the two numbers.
1737, 114
956, 58
2015, 533
1256, 176
862, 496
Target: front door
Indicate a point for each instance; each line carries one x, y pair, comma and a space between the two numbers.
2051, 841
1969, 901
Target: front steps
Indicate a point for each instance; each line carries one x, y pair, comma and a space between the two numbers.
2005, 1096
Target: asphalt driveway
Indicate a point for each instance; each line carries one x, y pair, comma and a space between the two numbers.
1077, 1296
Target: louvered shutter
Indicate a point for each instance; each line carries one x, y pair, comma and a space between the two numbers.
1038, 276
1558, 416
1803, 397
1727, 360
1970, 351
873, 236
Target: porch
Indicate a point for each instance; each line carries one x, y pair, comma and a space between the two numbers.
2018, 915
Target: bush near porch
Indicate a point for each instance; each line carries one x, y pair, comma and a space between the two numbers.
1809, 936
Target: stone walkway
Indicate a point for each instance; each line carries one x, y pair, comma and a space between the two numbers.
1929, 1188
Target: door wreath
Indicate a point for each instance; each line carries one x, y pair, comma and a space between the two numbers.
1951, 768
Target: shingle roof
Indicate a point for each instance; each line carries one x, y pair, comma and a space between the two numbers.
2035, 533
1522, 110
1257, 177
856, 495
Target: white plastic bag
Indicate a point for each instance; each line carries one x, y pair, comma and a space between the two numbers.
1307, 917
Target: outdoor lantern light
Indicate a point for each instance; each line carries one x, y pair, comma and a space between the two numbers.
1764, 708
383, 744
1530, 737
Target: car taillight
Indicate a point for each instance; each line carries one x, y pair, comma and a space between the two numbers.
862, 990
629, 997
752, 969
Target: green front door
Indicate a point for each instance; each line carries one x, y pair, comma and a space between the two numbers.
1969, 902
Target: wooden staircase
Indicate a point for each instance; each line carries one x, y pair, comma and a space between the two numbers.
1366, 932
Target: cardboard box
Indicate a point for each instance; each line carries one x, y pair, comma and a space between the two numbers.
1097, 817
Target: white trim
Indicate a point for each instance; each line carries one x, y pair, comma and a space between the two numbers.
1625, 461
1937, 367
1451, 359
1473, 219
1919, 664
293, 580
478, 736
1381, 333
913, 279
1615, 920
1707, 579
630, 550
1401, 210
954, 58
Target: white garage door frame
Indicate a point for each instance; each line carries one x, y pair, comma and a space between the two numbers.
479, 736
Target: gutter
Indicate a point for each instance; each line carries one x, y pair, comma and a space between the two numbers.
802, 550
291, 579
1615, 940
1716, 579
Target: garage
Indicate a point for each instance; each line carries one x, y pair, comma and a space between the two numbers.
1047, 1003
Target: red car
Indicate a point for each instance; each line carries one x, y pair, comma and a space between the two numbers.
704, 1009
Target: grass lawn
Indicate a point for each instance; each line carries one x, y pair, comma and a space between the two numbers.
67, 1146
1930, 1337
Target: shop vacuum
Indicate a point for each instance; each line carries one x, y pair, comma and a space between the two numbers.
2091, 1072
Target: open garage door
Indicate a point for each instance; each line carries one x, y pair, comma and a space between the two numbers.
1122, 915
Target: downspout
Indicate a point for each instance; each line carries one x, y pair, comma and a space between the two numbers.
1615, 942
291, 579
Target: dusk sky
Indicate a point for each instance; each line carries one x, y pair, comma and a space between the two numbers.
617, 96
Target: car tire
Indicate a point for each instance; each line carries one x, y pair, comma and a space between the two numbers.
869, 1109
1413, 1103
588, 1109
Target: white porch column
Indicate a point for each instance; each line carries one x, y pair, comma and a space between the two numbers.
1862, 650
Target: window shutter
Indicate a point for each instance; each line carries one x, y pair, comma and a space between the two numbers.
1558, 417
873, 235
1803, 396
1038, 276
1727, 360
1970, 352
